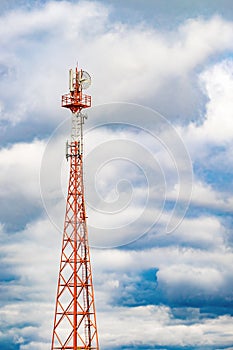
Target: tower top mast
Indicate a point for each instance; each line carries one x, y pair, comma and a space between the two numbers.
75, 100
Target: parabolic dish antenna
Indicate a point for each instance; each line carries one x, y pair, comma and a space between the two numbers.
84, 79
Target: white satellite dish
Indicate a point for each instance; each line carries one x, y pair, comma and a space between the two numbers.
84, 79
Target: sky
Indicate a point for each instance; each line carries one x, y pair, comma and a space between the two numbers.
158, 175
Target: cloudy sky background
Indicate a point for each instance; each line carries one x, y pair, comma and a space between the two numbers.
154, 289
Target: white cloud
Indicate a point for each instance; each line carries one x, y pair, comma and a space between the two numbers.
139, 63
42, 37
204, 194
27, 320
191, 277
202, 232
155, 324
34, 346
218, 82
20, 165
34, 256
209, 142
217, 127
52, 18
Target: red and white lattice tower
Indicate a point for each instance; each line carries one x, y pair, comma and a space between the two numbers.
75, 317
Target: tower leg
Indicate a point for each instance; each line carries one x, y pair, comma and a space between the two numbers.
75, 317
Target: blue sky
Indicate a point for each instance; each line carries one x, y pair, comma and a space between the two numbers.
158, 173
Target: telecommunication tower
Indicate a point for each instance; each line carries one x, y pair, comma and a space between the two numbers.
75, 316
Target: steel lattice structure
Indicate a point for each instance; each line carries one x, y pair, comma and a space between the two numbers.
75, 317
